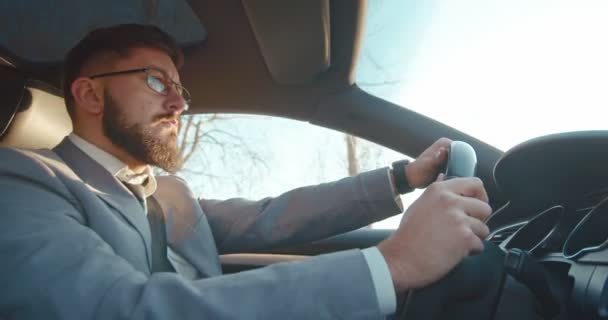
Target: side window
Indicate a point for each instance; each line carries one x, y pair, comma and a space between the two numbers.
250, 156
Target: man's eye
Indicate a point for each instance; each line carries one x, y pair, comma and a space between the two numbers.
157, 85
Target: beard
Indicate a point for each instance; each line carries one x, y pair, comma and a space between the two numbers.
141, 141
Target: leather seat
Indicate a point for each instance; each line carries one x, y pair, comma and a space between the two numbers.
32, 114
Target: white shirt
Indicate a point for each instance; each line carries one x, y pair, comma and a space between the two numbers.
381, 277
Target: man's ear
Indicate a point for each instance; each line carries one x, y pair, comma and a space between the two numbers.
87, 95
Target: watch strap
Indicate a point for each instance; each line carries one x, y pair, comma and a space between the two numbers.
401, 183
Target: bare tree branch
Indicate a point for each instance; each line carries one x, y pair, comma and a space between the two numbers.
195, 142
352, 160
204, 173
185, 130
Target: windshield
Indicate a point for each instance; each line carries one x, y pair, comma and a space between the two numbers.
501, 71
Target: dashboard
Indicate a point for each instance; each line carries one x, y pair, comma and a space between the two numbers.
557, 213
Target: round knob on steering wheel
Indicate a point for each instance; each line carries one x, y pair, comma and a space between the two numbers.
462, 160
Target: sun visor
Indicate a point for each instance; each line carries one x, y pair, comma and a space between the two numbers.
42, 31
294, 37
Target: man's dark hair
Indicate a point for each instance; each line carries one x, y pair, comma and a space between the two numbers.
119, 39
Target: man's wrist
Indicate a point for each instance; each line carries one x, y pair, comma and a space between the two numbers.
399, 177
382, 279
394, 266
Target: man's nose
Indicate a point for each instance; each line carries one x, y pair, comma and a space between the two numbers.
176, 103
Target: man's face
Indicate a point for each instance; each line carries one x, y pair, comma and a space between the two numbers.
139, 120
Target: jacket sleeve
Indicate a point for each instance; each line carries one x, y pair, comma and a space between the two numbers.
54, 267
301, 215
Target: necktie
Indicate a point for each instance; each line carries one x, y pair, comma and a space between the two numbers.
156, 221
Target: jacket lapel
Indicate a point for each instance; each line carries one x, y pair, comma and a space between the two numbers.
188, 232
108, 188
198, 247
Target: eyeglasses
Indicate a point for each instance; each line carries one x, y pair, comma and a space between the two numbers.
156, 79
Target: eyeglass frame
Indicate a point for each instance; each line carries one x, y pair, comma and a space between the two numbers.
178, 87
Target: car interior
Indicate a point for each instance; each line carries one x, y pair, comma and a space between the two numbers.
547, 252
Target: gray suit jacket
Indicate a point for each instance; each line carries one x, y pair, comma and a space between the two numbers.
75, 244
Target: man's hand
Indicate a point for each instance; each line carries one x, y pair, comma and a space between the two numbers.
425, 168
441, 228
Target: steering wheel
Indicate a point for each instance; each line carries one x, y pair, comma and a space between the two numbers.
471, 290
474, 286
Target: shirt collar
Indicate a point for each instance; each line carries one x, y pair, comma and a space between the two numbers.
116, 167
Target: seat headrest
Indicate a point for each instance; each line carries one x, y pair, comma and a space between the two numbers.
32, 114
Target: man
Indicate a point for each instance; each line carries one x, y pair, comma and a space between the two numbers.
86, 232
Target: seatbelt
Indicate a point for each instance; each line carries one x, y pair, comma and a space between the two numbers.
156, 219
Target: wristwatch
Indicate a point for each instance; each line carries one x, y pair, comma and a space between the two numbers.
400, 178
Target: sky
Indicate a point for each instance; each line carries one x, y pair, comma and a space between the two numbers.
501, 71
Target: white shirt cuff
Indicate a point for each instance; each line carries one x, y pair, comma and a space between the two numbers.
383, 282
